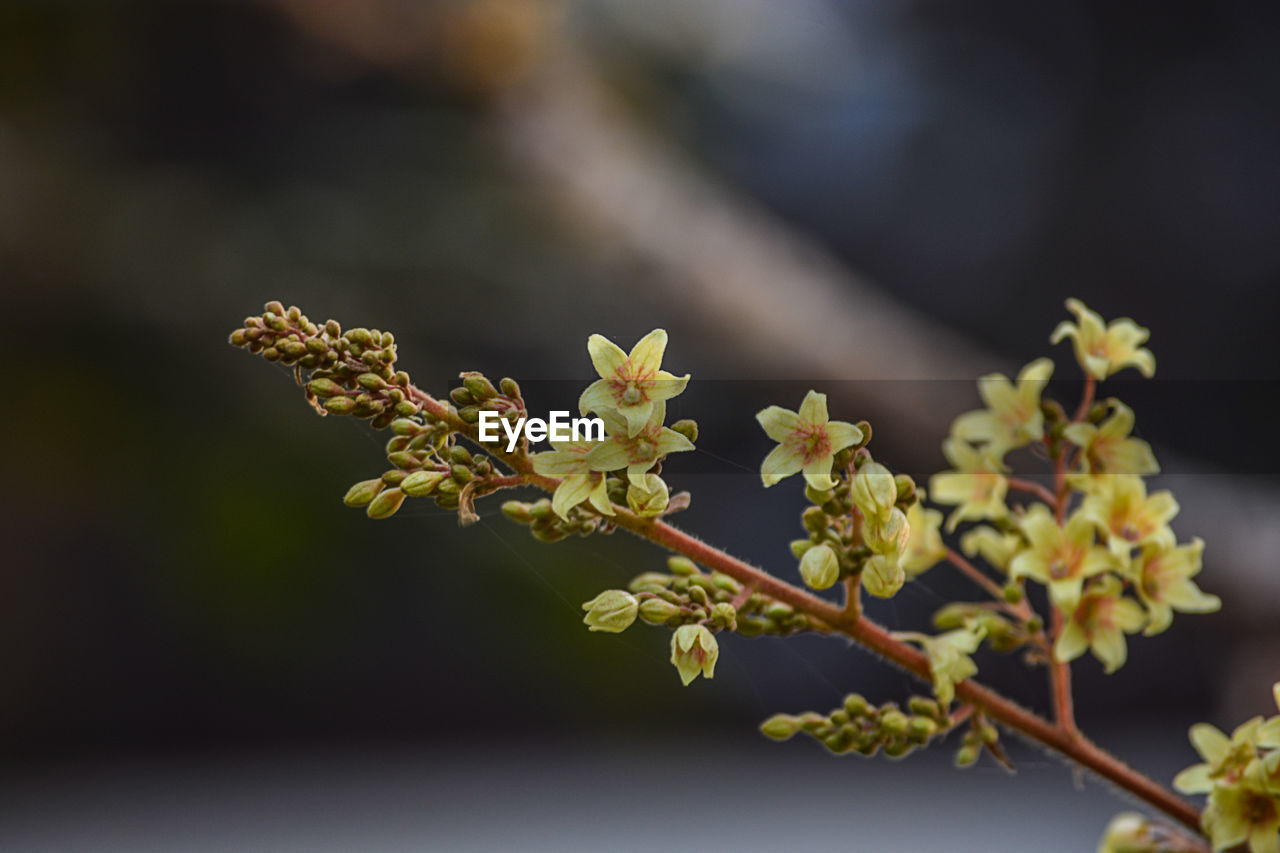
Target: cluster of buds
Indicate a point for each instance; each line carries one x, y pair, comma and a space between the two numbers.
477, 394
981, 735
863, 729
546, 526
1241, 775
425, 465
859, 527
347, 373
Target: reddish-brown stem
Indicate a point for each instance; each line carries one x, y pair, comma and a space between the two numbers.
852, 598
1086, 398
1033, 488
1060, 675
832, 618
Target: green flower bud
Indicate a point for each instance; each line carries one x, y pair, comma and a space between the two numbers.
362, 493
340, 405
724, 583
874, 490
966, 756
360, 336
517, 511
906, 489
694, 650
811, 721
800, 546
510, 388
611, 611
922, 728
814, 520
462, 474
688, 428
421, 483
681, 566
404, 460
386, 504
894, 722
649, 579
655, 611
780, 727
725, 616
406, 427
459, 455
479, 387
855, 705
1013, 593
461, 396
405, 408
819, 567
882, 576
394, 477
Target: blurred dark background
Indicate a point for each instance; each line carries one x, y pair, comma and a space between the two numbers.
877, 199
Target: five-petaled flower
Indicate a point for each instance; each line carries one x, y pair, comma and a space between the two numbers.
1099, 623
948, 654
1103, 349
1123, 512
1060, 557
1012, 417
579, 483
636, 451
694, 650
1107, 447
807, 441
630, 384
975, 484
1162, 574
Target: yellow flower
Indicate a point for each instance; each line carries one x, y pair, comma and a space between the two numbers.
652, 500
1108, 449
1225, 758
636, 451
1060, 557
975, 484
694, 650
578, 482
1239, 813
611, 611
925, 548
1104, 349
997, 548
1012, 417
807, 441
1125, 514
1162, 574
948, 654
1099, 622
819, 567
631, 384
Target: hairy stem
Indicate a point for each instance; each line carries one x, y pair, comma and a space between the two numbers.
838, 620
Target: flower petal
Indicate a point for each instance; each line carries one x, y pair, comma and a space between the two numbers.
1071, 642
1210, 742
571, 492
781, 462
778, 423
666, 385
608, 455
597, 397
607, 357
817, 472
842, 434
646, 355
814, 409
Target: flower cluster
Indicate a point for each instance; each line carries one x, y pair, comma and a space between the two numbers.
860, 728
1241, 775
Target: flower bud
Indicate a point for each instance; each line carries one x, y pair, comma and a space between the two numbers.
694, 649
362, 493
780, 726
725, 616
421, 483
874, 490
814, 520
479, 387
650, 501
882, 576
385, 504
339, 405
966, 755
403, 459
510, 388
611, 611
800, 546
517, 511
855, 705
1128, 833
819, 567
688, 428
681, 566
655, 611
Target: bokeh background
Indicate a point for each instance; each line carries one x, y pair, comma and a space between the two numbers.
204, 649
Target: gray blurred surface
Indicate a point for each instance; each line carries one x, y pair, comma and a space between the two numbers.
740, 794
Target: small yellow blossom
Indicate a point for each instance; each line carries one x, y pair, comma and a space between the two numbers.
1107, 447
1239, 813
1012, 417
1225, 758
925, 548
630, 384
807, 441
1104, 349
975, 484
1123, 512
1162, 574
992, 545
638, 451
1099, 622
694, 650
1060, 557
948, 654
578, 482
